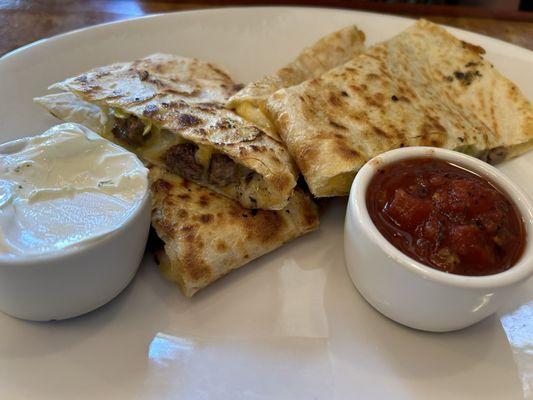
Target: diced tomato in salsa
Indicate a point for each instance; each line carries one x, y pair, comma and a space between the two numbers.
407, 210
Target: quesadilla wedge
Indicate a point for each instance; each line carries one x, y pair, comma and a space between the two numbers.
328, 52
206, 235
423, 87
477, 86
169, 111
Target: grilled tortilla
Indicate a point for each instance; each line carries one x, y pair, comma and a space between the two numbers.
169, 111
422, 87
207, 235
330, 51
478, 87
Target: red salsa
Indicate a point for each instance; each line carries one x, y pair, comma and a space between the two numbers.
446, 217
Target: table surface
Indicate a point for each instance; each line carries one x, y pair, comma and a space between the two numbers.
23, 22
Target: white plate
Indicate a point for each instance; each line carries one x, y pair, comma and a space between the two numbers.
287, 326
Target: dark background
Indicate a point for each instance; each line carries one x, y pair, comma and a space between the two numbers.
24, 21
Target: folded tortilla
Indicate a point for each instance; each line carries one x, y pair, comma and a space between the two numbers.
328, 52
169, 110
206, 235
423, 87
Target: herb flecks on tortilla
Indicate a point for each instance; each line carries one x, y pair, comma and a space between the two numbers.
170, 111
423, 87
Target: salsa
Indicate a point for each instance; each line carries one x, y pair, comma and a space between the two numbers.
446, 217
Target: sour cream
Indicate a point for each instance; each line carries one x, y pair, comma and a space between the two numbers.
66, 187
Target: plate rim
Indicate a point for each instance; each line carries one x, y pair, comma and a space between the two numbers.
54, 38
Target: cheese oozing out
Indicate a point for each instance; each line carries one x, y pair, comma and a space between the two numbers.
66, 187
253, 191
255, 115
250, 190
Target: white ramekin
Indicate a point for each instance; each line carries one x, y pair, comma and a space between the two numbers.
414, 294
77, 280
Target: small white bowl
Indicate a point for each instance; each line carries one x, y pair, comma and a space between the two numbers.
77, 280
414, 294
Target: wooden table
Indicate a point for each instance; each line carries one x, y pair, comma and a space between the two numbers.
24, 21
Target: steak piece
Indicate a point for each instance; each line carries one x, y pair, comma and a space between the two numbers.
223, 170
180, 160
130, 130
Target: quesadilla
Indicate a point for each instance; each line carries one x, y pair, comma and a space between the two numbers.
169, 110
423, 87
206, 235
328, 52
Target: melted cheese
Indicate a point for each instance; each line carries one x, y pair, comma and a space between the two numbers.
203, 156
257, 117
